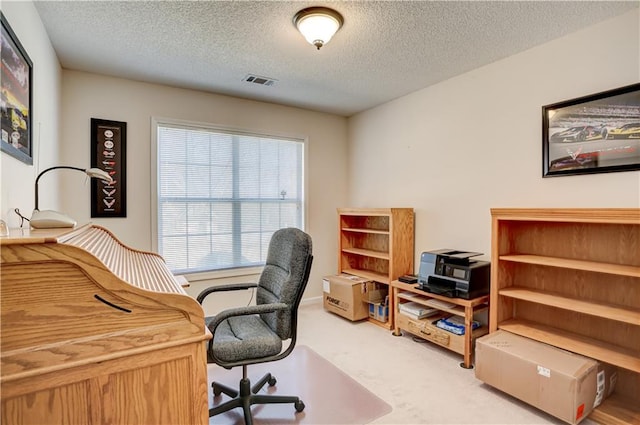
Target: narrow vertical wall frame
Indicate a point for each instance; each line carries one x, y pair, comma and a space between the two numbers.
109, 153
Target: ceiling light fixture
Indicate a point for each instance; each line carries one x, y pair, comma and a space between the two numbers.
318, 24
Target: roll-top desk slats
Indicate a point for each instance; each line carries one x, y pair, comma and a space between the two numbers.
143, 269
83, 317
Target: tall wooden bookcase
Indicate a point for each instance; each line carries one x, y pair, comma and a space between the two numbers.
571, 278
376, 244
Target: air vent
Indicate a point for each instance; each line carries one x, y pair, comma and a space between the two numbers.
256, 79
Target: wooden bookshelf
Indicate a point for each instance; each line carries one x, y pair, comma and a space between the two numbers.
571, 278
376, 244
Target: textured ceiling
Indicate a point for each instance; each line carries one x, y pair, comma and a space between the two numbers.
384, 50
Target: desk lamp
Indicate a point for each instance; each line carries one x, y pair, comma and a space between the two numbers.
49, 219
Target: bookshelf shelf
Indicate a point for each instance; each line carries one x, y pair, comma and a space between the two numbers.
367, 253
372, 231
590, 347
607, 311
368, 274
592, 266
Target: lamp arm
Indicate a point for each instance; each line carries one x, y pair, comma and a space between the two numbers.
49, 169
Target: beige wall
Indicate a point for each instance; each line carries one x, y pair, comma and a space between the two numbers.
87, 96
451, 151
17, 186
454, 150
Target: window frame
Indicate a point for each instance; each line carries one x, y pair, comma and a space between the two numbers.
160, 121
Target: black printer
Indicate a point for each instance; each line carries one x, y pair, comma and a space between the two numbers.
453, 274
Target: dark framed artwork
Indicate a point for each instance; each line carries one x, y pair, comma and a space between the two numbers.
15, 96
109, 153
599, 133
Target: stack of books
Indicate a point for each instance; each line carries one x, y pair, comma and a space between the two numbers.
417, 311
432, 302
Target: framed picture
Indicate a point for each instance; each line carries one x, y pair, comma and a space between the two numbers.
599, 133
109, 153
15, 96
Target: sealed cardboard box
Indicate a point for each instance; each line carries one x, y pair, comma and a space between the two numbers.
564, 384
343, 295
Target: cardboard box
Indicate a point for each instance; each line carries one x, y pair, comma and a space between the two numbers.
343, 295
374, 292
564, 384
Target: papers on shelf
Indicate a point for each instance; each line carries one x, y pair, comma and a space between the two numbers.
417, 311
432, 302
412, 295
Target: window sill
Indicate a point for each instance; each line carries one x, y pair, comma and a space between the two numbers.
222, 274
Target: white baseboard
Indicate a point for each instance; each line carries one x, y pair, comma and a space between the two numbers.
311, 300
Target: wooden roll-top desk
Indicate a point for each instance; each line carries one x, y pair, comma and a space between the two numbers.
94, 332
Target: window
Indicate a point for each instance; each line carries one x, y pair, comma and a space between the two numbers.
221, 195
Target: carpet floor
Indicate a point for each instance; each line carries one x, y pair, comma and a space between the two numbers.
334, 398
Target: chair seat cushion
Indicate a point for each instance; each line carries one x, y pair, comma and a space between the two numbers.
244, 338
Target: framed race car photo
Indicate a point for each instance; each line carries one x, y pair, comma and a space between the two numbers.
15, 96
599, 133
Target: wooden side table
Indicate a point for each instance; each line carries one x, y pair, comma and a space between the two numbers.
426, 328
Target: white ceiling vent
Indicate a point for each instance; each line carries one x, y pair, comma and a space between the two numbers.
256, 79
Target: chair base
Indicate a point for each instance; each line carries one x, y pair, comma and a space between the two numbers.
247, 397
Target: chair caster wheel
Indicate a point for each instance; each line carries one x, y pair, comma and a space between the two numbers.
299, 405
216, 391
272, 381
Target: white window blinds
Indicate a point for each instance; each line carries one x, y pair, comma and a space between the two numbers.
222, 194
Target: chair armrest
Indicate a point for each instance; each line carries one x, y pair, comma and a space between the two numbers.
245, 311
223, 288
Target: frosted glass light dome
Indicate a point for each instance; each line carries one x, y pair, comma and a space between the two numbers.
318, 24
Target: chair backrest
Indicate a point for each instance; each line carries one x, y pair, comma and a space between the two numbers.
285, 277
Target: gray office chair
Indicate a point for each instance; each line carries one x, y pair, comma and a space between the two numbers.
255, 334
